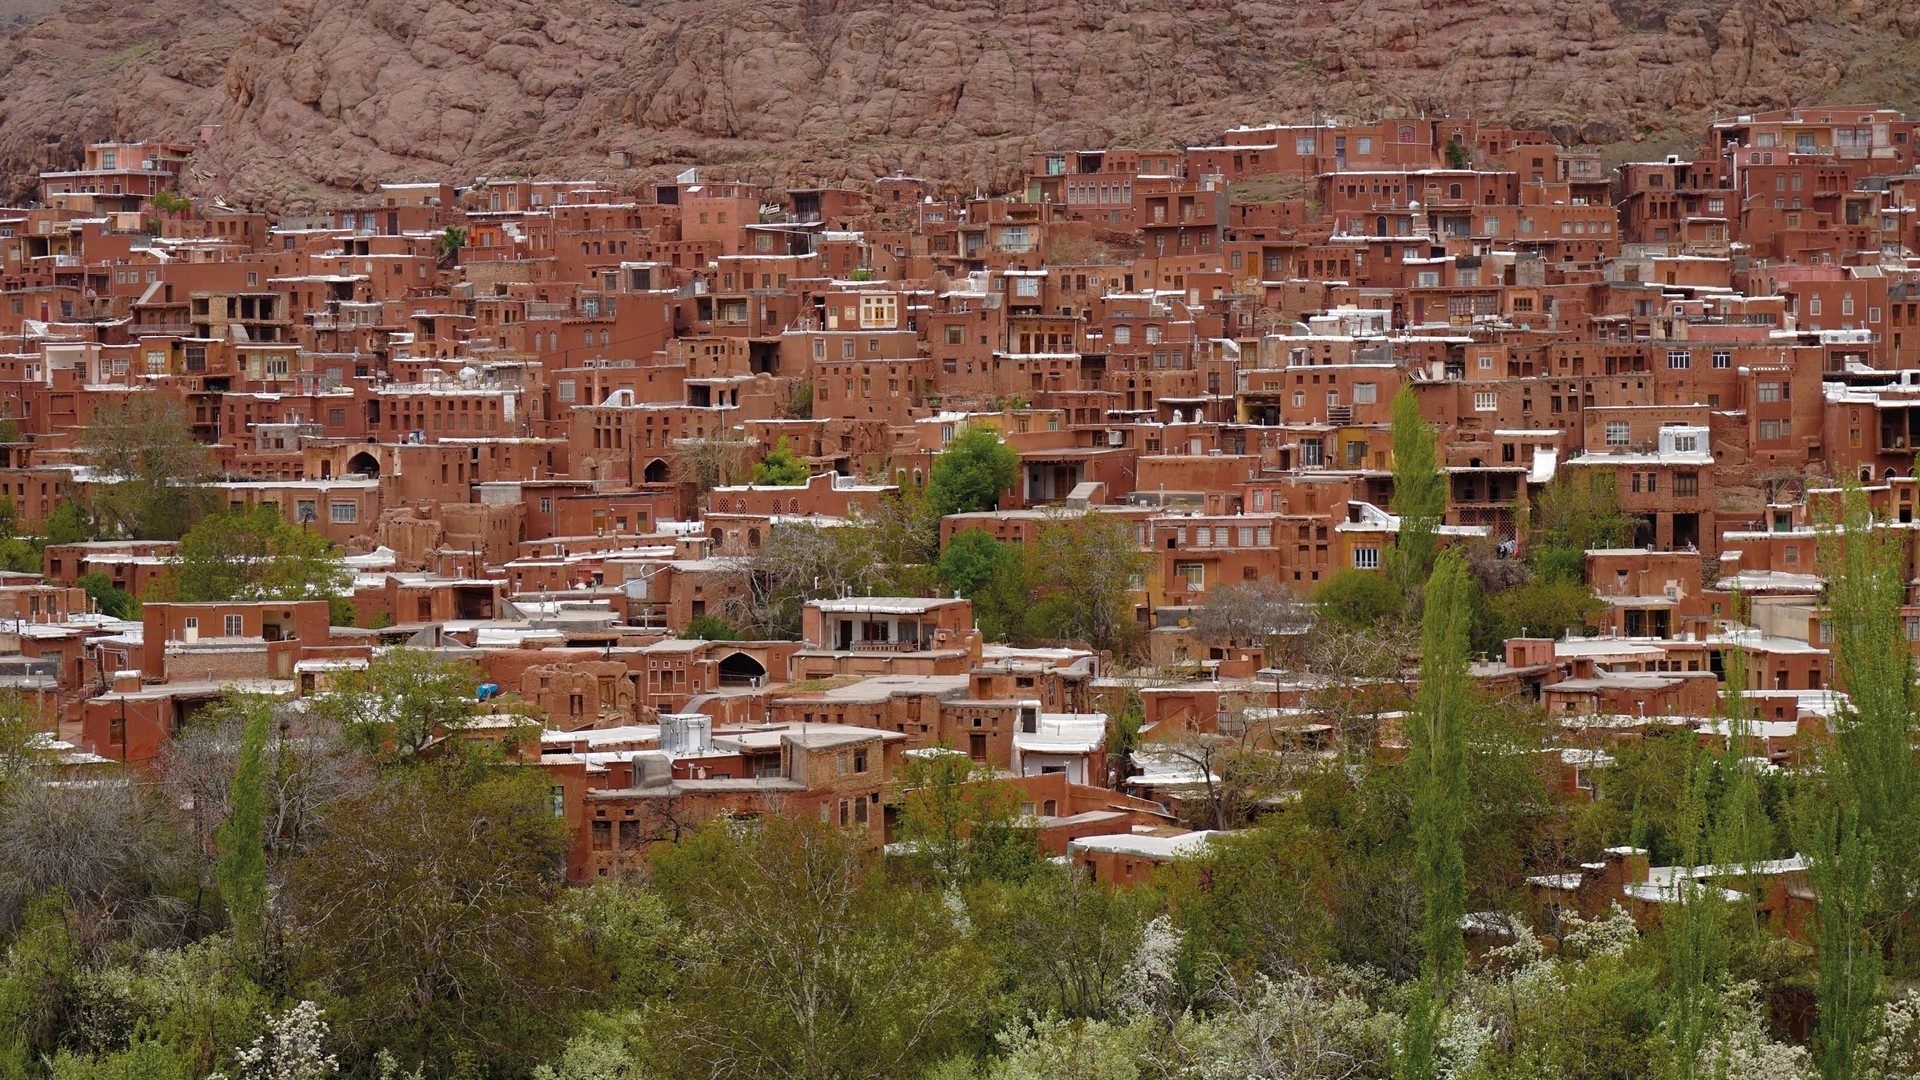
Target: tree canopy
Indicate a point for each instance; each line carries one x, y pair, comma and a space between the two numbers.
257, 555
971, 474
781, 467
155, 473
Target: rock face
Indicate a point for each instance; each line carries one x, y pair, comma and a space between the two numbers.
314, 97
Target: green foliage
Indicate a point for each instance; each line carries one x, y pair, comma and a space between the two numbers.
426, 907
958, 823
1578, 512
1547, 607
993, 575
257, 556
782, 467
39, 988
972, 559
814, 963
448, 244
159, 473
799, 405
69, 524
1358, 599
108, 597
341, 612
1437, 757
704, 627
171, 202
1255, 902
1419, 494
1064, 944
972, 473
404, 698
143, 1059
241, 872
1083, 569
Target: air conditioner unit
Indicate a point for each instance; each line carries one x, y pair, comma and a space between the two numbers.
1116, 437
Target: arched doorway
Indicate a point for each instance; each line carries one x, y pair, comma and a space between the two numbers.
739, 669
656, 471
364, 464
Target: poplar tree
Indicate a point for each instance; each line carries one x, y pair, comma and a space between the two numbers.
1419, 494
1857, 825
1437, 761
241, 871
1866, 587
1693, 922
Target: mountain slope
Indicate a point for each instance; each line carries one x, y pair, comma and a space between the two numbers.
315, 96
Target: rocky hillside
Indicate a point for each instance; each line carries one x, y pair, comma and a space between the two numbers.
317, 96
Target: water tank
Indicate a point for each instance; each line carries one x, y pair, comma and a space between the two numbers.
686, 734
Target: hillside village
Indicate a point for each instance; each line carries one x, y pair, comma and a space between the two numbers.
718, 502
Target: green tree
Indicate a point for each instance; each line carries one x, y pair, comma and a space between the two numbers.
154, 473
426, 919
402, 699
1546, 607
19, 552
782, 467
68, 524
971, 560
108, 597
1693, 925
705, 627
143, 1059
814, 964
257, 556
448, 244
1084, 568
994, 576
972, 473
959, 823
1437, 760
241, 871
1358, 599
1063, 944
1578, 512
1419, 494
1252, 903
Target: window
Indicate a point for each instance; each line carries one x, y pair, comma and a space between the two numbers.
1678, 359
956, 335
1722, 358
235, 626
1365, 393
1686, 484
1366, 558
1192, 575
1363, 145
1791, 555
1686, 444
1768, 393
344, 513
1773, 429
559, 797
1486, 401
1303, 145
1617, 432
1123, 335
